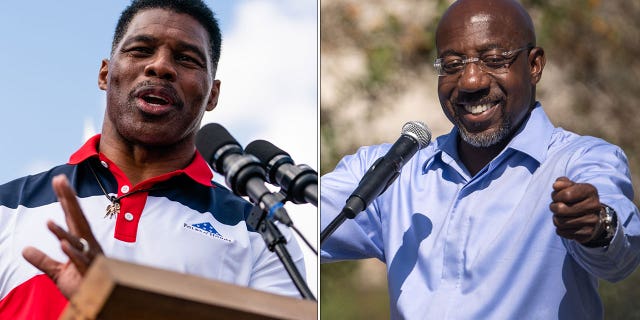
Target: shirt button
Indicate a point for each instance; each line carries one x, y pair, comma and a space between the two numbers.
128, 216
104, 164
124, 189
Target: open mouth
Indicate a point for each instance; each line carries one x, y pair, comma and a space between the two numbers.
157, 96
155, 100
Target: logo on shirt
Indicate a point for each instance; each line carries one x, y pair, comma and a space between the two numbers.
207, 229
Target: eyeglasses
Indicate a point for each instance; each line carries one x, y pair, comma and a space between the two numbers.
490, 62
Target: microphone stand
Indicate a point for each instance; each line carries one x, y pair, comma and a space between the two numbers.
332, 226
364, 194
354, 205
275, 241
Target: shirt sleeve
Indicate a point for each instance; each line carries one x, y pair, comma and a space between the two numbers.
357, 238
605, 166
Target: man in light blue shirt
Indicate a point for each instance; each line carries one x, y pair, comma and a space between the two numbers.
505, 217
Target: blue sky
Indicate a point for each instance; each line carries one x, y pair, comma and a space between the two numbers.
50, 53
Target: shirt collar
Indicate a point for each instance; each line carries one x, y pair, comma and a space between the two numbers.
532, 138
198, 170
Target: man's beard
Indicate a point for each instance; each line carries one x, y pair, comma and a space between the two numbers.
485, 139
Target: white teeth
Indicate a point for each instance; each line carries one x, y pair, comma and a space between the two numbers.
478, 109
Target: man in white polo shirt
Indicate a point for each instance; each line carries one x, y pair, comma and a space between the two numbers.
146, 193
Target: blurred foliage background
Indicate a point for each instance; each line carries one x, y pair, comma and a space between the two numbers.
376, 74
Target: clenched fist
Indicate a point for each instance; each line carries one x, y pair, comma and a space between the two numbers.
576, 210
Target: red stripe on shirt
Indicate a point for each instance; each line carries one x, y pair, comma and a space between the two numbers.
37, 298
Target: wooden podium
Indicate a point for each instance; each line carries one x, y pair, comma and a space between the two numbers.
114, 289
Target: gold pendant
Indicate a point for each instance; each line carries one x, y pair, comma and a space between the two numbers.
112, 209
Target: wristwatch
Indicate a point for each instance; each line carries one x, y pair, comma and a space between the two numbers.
607, 226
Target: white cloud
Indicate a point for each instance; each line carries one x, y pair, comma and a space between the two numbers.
89, 129
268, 71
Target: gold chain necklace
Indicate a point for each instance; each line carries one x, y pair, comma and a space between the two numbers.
113, 208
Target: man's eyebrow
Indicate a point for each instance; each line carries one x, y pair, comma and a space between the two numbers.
195, 49
491, 46
449, 53
139, 38
480, 50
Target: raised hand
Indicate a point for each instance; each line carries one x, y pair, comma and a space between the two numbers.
78, 243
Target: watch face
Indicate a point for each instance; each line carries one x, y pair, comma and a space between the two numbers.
609, 220
606, 228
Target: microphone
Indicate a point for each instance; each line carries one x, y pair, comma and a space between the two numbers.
299, 182
415, 136
243, 173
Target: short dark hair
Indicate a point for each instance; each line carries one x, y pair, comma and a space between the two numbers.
195, 8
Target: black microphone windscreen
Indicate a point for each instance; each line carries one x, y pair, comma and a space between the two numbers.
264, 150
212, 137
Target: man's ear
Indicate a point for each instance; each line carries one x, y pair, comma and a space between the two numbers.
213, 97
537, 60
102, 75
